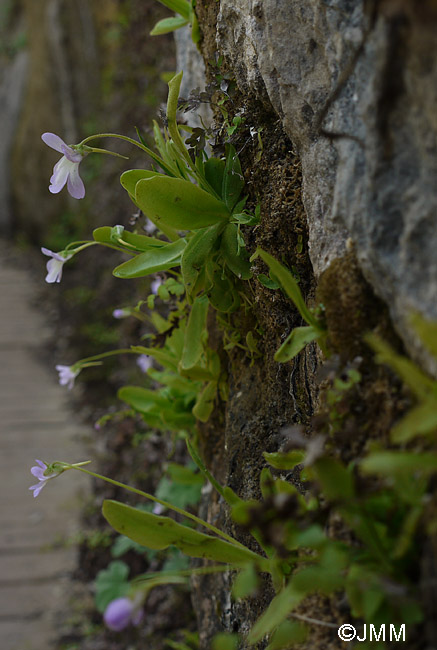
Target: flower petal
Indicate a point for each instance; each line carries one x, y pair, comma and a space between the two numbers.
38, 472
37, 488
54, 271
75, 184
118, 614
53, 141
60, 175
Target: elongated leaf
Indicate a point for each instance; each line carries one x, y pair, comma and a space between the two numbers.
420, 420
174, 86
195, 333
157, 259
417, 380
178, 203
167, 25
233, 181
278, 610
130, 239
295, 342
205, 402
214, 170
427, 331
290, 287
396, 462
287, 460
157, 532
195, 255
181, 7
142, 399
287, 634
236, 259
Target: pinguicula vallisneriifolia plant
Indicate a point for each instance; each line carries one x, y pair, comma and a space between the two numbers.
299, 337
196, 202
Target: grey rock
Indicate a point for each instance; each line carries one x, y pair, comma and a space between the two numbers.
373, 80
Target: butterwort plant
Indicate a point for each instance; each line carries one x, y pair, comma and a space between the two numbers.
196, 194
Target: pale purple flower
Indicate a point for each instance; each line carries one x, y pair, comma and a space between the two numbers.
67, 375
149, 227
144, 362
123, 611
158, 509
66, 169
121, 313
155, 284
54, 266
38, 472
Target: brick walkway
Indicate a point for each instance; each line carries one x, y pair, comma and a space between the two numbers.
35, 422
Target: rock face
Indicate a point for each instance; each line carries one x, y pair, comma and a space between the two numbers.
355, 85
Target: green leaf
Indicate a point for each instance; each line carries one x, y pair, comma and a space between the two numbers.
167, 25
418, 381
427, 331
131, 240
156, 259
295, 342
222, 294
111, 583
195, 333
246, 583
157, 410
174, 86
233, 181
336, 481
184, 475
181, 7
130, 178
290, 287
287, 460
194, 257
234, 256
177, 494
421, 420
278, 610
205, 402
159, 532
268, 282
225, 641
214, 170
399, 462
287, 634
178, 203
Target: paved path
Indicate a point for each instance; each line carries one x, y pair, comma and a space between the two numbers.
35, 422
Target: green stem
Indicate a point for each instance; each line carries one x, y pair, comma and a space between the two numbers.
184, 513
141, 146
103, 355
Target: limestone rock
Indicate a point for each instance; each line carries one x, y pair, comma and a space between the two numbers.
366, 73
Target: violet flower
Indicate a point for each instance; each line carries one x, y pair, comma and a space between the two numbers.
144, 362
66, 169
121, 612
54, 266
121, 313
155, 284
67, 375
149, 227
39, 473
